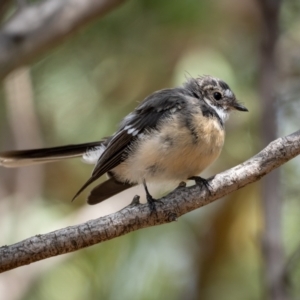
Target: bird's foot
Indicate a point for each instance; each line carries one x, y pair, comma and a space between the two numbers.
202, 182
152, 203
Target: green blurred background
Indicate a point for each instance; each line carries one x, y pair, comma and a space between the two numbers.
79, 92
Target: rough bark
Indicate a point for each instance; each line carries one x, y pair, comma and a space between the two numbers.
134, 217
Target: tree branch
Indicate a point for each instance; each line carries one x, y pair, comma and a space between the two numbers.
4, 4
134, 217
36, 28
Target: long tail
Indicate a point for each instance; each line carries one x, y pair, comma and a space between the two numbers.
13, 159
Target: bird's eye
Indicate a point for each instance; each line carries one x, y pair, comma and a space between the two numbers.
217, 95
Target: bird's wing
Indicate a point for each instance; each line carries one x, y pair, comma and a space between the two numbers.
145, 117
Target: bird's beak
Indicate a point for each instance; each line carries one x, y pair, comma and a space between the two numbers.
239, 107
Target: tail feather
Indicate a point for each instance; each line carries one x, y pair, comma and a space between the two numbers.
12, 159
106, 190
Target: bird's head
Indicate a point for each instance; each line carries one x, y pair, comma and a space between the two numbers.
216, 93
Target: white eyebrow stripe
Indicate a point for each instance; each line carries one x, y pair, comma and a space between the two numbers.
228, 93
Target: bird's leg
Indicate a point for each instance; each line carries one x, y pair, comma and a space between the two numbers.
202, 182
151, 201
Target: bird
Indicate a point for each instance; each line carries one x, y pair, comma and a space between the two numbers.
171, 136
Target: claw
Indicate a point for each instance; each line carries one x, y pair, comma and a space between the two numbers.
151, 201
202, 182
